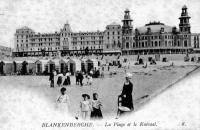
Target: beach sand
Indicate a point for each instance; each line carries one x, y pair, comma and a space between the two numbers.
29, 100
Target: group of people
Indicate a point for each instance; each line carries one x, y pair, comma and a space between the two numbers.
60, 81
89, 109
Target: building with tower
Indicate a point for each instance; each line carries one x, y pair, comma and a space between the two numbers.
152, 38
156, 37
127, 33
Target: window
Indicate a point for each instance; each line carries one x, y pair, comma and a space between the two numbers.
142, 44
165, 43
185, 43
127, 45
169, 43
156, 43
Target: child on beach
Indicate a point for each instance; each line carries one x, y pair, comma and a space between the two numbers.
90, 79
63, 100
96, 107
85, 106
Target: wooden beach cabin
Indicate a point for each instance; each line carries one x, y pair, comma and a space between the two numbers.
64, 65
28, 67
41, 66
92, 64
52, 66
74, 65
61, 65
84, 65
6, 67
17, 66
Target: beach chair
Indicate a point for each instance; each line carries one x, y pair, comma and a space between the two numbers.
121, 109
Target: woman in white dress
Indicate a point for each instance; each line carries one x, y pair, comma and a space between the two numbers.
63, 101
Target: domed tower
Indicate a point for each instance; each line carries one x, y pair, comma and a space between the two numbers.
184, 24
127, 23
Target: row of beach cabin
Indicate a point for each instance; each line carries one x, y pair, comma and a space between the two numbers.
44, 66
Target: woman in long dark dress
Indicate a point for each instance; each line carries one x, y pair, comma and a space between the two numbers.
67, 79
51, 79
59, 81
126, 95
96, 108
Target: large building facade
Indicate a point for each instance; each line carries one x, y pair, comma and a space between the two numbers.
153, 38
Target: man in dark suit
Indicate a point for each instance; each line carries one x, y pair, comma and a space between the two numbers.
51, 79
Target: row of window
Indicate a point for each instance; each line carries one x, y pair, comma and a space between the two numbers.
113, 27
82, 48
45, 44
22, 41
113, 33
26, 45
113, 37
91, 42
156, 44
49, 49
155, 37
113, 46
87, 38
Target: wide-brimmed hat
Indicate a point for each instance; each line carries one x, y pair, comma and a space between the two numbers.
128, 75
85, 95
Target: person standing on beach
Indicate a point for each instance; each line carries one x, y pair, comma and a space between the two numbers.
81, 78
59, 81
51, 79
67, 80
63, 102
126, 95
96, 108
85, 106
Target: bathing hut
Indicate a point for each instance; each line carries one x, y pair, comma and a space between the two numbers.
92, 64
28, 67
53, 65
64, 65
61, 65
41, 66
84, 65
17, 64
6, 67
74, 65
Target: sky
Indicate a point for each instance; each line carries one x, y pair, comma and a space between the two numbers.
47, 16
